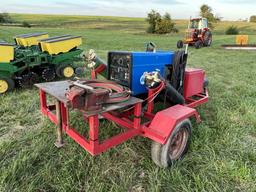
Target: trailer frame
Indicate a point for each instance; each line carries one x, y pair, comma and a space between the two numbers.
130, 119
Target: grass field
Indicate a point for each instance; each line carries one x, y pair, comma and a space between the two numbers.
222, 155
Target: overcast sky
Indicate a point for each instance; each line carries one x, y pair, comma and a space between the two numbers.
179, 9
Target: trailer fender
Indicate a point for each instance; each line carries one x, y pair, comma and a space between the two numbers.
165, 121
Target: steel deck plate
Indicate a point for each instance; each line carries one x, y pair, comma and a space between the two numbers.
59, 88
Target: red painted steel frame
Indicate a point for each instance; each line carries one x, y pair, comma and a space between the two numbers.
201, 99
93, 145
133, 126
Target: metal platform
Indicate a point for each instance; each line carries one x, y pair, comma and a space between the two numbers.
59, 88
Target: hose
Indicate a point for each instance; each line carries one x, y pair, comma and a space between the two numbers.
172, 94
117, 93
178, 71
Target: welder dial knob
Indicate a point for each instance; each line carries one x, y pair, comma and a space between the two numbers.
120, 61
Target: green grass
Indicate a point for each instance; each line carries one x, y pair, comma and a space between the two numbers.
134, 25
222, 155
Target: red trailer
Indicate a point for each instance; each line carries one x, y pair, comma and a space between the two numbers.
169, 129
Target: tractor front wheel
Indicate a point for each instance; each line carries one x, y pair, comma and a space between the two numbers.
6, 85
180, 44
175, 147
198, 44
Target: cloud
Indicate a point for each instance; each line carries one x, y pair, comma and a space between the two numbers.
238, 2
75, 5
181, 9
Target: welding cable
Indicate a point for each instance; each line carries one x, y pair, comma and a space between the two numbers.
152, 97
160, 88
179, 65
100, 68
117, 93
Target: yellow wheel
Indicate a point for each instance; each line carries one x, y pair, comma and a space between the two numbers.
3, 86
68, 71
6, 85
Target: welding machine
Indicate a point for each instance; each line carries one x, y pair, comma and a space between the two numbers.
126, 68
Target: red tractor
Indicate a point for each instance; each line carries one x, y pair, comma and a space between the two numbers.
198, 34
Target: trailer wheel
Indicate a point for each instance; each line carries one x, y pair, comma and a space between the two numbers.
175, 147
180, 44
156, 153
6, 85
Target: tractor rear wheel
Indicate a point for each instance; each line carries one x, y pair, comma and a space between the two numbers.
6, 85
180, 44
207, 39
198, 44
175, 147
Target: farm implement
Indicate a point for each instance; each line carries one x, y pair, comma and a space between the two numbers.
198, 34
36, 56
136, 83
241, 44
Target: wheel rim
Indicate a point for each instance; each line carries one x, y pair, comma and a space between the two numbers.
178, 144
3, 86
68, 72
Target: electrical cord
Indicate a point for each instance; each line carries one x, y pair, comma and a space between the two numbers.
152, 97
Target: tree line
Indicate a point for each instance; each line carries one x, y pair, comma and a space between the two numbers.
159, 24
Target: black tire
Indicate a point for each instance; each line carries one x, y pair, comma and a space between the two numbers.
180, 44
206, 82
10, 83
207, 39
163, 155
28, 80
48, 74
198, 44
60, 70
79, 71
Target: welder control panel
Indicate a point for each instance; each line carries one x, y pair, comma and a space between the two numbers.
119, 67
127, 68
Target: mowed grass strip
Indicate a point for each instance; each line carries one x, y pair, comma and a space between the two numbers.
222, 156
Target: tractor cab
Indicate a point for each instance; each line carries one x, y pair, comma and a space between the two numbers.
198, 23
